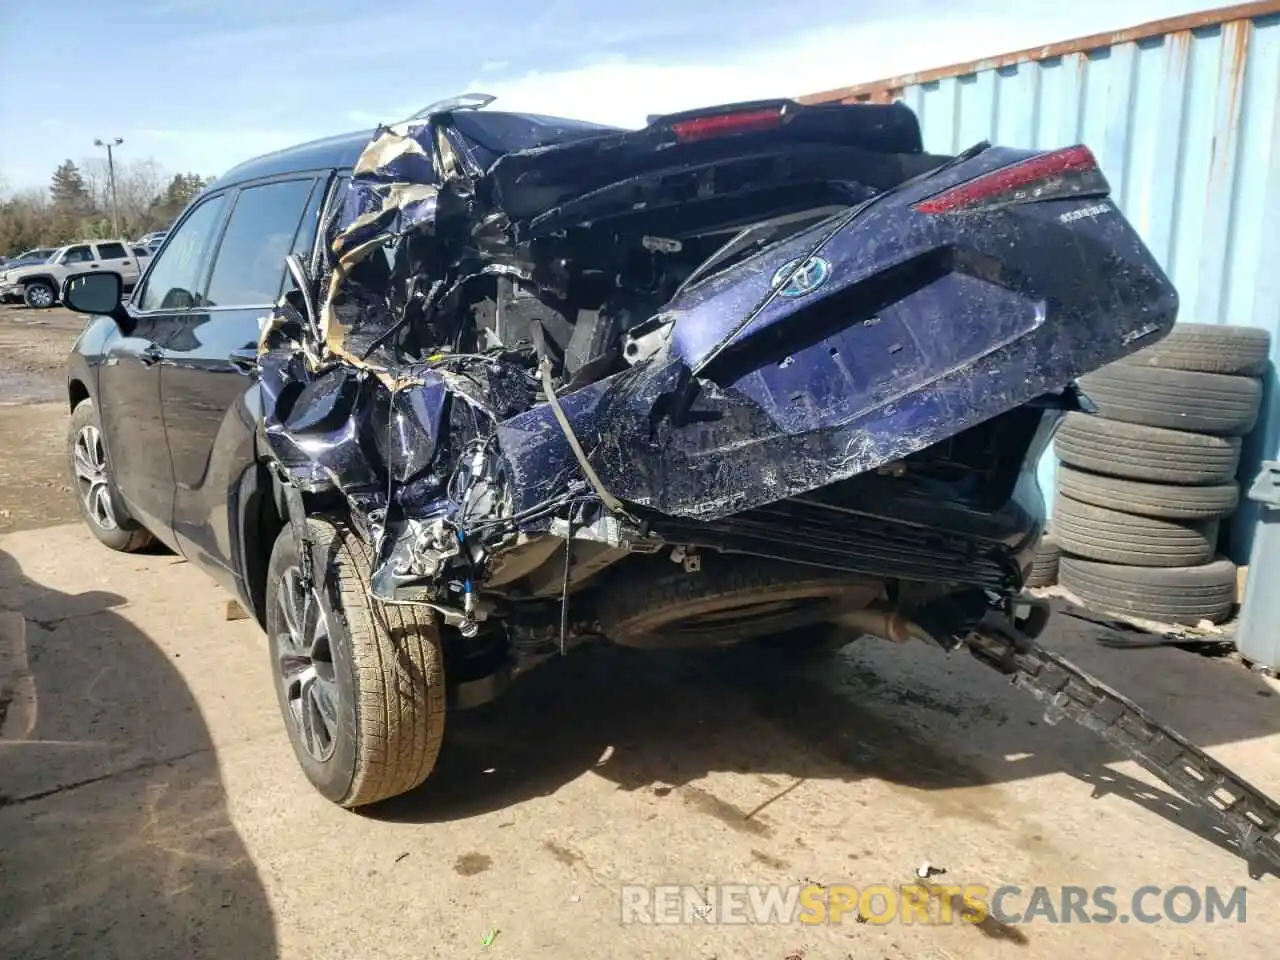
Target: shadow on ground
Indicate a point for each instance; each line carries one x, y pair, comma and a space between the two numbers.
910, 716
114, 834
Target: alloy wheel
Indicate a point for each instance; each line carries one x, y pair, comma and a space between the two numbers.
40, 296
304, 665
93, 478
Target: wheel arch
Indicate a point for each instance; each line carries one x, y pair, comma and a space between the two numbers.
262, 512
77, 393
259, 522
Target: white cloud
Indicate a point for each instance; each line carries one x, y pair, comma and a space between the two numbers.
624, 92
606, 87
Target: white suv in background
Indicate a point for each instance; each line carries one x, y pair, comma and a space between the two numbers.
38, 285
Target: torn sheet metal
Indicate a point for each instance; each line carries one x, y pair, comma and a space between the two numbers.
527, 328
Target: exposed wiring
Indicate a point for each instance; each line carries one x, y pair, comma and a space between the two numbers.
548, 386
564, 586
391, 331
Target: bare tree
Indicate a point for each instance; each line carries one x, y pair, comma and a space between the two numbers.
138, 183
26, 221
93, 170
73, 207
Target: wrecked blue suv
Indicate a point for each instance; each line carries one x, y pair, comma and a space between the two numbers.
449, 399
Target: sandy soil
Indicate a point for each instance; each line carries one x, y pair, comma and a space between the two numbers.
34, 491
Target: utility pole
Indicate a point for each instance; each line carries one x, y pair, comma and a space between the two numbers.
111, 179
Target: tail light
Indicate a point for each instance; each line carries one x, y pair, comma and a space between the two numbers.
1059, 175
726, 124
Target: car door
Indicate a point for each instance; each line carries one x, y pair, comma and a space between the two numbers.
129, 402
78, 259
117, 258
78, 255
209, 428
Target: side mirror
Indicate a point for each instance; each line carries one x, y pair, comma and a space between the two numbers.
97, 293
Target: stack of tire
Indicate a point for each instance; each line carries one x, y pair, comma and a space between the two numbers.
1044, 565
1144, 485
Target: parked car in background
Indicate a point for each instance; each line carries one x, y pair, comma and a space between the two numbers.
153, 239
27, 258
38, 284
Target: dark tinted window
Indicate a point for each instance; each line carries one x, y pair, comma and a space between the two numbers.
173, 281
141, 252
112, 251
77, 255
260, 234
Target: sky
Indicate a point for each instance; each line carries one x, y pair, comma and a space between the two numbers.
200, 85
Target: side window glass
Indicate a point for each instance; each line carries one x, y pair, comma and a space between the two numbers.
304, 241
174, 279
111, 251
78, 255
250, 264
338, 197
141, 252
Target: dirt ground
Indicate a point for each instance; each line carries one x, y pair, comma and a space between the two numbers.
150, 805
33, 414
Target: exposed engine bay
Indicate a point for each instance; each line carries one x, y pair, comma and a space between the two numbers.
560, 374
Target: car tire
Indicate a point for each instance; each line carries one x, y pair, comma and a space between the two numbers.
360, 683
1183, 595
39, 295
1136, 452
1044, 565
1162, 500
89, 470
1208, 348
1115, 537
1213, 403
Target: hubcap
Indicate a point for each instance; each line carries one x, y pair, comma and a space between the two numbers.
304, 663
40, 296
93, 478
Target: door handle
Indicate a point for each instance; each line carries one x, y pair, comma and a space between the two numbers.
244, 360
93, 266
150, 354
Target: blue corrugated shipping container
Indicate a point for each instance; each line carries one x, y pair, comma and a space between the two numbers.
1184, 116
